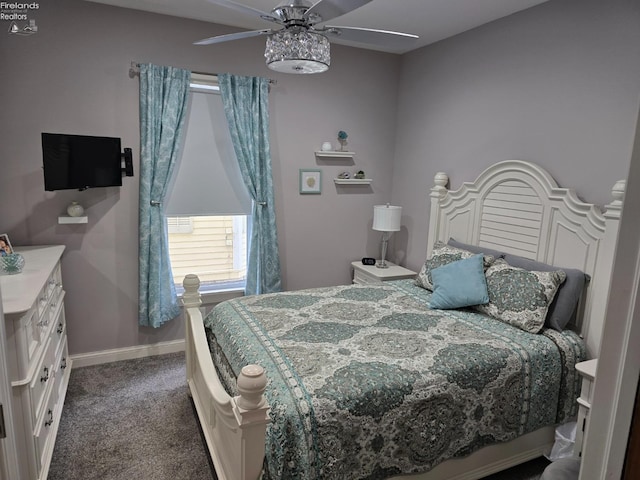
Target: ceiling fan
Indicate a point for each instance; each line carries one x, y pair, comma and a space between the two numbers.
302, 45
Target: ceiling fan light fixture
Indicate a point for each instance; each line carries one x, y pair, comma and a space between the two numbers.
297, 50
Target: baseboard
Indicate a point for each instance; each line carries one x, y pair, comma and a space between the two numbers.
128, 353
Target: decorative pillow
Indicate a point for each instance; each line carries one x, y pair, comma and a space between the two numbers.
442, 255
459, 284
520, 297
563, 308
475, 248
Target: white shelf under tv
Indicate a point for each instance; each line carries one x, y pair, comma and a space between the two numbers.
66, 219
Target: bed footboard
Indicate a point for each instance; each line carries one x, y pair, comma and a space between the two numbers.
234, 427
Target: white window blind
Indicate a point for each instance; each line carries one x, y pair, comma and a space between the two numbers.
207, 179
180, 224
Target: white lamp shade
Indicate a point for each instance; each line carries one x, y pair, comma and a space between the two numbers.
386, 218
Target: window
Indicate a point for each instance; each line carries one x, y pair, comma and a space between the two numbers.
215, 248
208, 207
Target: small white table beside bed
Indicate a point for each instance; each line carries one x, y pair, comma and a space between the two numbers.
368, 381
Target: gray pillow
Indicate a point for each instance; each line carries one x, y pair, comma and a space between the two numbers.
475, 248
563, 308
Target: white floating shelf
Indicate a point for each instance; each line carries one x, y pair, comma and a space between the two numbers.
335, 154
66, 219
352, 181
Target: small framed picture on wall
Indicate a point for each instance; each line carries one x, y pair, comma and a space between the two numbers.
5, 245
310, 181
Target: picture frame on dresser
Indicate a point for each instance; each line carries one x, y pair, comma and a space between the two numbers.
5, 245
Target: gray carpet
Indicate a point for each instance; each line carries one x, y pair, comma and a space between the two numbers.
130, 420
134, 420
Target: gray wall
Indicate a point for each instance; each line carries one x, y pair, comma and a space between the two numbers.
558, 84
72, 77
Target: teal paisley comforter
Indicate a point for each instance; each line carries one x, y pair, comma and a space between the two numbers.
366, 382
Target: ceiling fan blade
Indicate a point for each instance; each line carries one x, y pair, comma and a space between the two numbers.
325, 10
239, 7
370, 35
232, 36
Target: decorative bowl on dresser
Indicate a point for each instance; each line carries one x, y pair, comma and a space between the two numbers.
36, 356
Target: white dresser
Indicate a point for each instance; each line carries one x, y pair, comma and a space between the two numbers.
36, 354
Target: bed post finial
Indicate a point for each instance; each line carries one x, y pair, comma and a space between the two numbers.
617, 192
440, 179
191, 295
438, 192
251, 384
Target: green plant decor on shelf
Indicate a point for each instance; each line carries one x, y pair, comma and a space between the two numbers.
342, 138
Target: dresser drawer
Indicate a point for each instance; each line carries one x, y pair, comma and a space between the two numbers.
59, 332
62, 363
50, 290
41, 381
43, 304
45, 431
363, 278
24, 333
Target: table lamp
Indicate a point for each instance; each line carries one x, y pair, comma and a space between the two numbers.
386, 219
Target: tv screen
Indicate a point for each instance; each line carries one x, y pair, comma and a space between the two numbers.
80, 161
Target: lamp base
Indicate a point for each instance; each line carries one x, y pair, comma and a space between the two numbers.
383, 263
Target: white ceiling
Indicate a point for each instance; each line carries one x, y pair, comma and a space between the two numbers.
432, 20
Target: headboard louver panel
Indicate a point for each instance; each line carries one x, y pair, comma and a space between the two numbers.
510, 219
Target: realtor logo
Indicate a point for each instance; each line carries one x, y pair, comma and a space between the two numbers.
28, 29
17, 14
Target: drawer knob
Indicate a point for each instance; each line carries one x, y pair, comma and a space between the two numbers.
63, 364
60, 328
45, 377
49, 422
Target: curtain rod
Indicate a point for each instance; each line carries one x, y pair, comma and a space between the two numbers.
134, 71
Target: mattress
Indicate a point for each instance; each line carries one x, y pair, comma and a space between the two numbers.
366, 382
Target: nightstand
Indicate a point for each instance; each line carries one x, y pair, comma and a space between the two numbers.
587, 371
363, 274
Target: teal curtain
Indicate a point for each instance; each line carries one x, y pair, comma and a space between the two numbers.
164, 92
246, 106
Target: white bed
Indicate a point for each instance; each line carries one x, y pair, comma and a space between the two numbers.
513, 206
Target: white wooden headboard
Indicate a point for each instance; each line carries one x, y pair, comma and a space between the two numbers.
517, 207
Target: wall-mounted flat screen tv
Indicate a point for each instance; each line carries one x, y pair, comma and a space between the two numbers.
80, 161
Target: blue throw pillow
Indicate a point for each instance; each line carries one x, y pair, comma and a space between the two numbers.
459, 284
